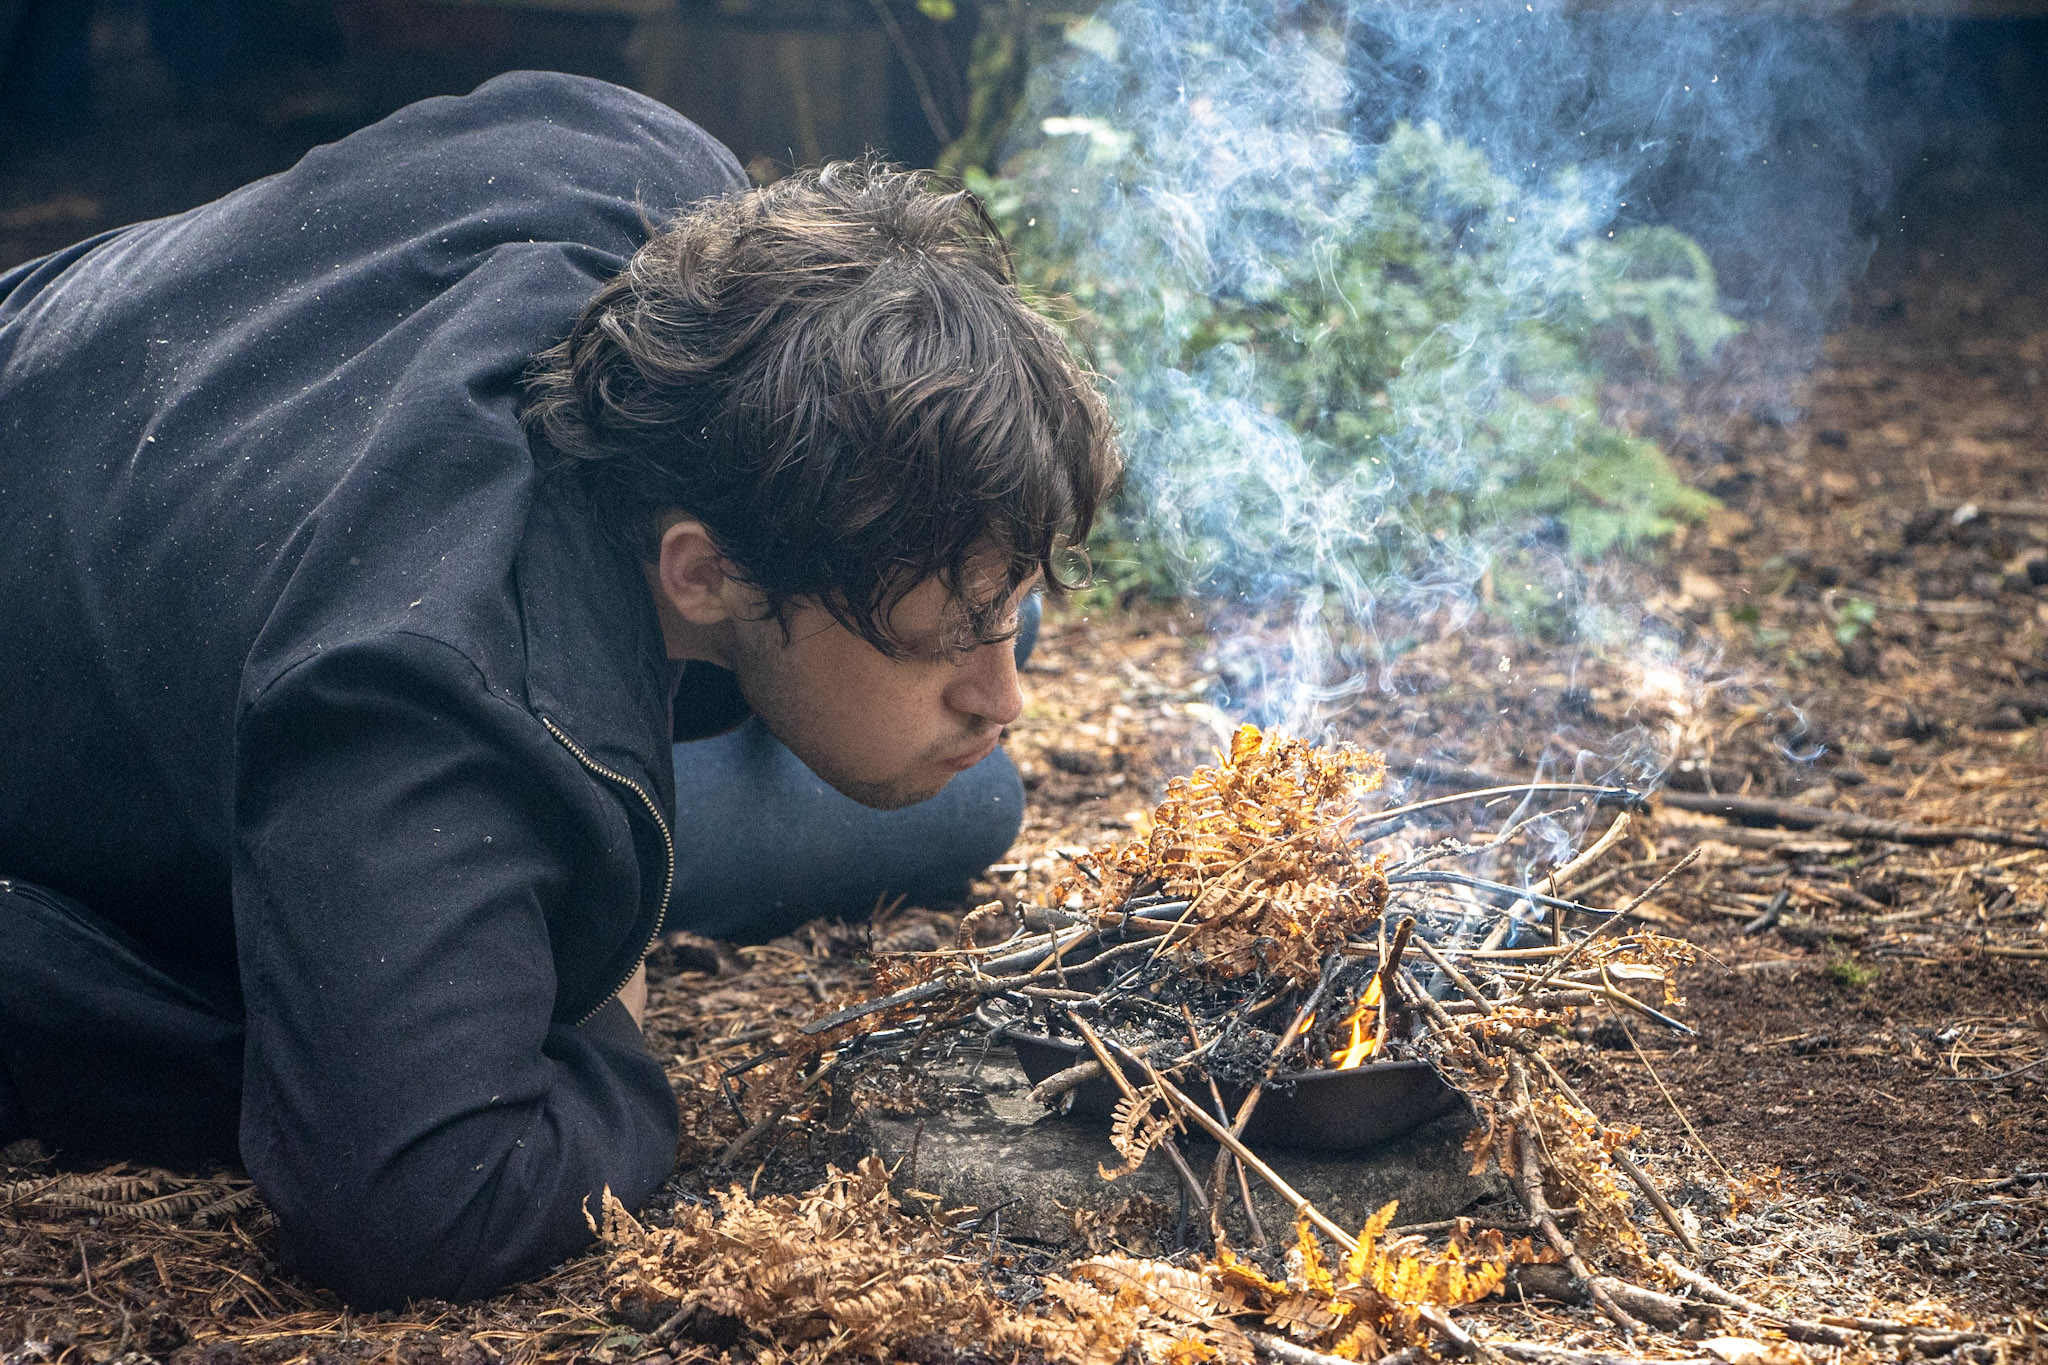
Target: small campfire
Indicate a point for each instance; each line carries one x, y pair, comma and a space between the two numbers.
1200, 959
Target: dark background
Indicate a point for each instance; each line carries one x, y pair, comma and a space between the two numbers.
113, 111
118, 110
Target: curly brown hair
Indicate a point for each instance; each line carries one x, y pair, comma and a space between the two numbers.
837, 375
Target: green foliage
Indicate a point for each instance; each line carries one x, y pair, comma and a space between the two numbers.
1845, 972
1368, 362
1852, 618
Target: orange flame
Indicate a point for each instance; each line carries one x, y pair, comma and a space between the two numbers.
1362, 1045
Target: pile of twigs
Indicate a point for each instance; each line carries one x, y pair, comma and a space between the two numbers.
1239, 906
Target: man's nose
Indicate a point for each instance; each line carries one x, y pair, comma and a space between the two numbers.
987, 686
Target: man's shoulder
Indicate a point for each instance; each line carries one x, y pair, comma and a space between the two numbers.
582, 106
553, 135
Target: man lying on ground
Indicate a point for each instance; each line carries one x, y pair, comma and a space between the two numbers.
371, 538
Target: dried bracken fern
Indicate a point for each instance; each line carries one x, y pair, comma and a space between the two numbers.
1260, 845
1135, 1129
137, 1193
1578, 1158
1372, 1301
842, 1273
837, 1272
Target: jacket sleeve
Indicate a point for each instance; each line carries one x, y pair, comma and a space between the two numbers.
419, 1118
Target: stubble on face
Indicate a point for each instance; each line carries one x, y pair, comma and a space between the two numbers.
885, 795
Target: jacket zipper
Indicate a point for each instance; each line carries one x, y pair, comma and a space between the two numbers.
668, 841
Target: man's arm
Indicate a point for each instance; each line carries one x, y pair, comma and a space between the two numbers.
421, 1121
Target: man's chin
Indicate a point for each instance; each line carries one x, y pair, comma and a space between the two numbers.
888, 795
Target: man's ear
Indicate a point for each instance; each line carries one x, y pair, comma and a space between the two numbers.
696, 582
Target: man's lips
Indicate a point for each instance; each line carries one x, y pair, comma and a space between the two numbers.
973, 756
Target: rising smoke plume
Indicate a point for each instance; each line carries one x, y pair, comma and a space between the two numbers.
1192, 162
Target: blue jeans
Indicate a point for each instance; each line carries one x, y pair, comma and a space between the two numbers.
762, 844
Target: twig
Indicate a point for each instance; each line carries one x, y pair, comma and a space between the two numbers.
1627, 1163
1452, 848
1556, 880
960, 983
1457, 978
1461, 1341
1251, 1212
1791, 815
1287, 1353
1501, 889
1557, 1282
1741, 808
40, 1282
1390, 965
1574, 993
1159, 944
1535, 1354
1505, 789
1672, 1100
1060, 1082
1769, 918
909, 995
1509, 954
1619, 916
1840, 1332
1529, 1182
1996, 1075
1588, 888
1431, 1008
1629, 1002
1244, 1186
1549, 1000
1123, 1083
1293, 1198
1039, 960
1447, 1224
1217, 1174
1075, 858
744, 1143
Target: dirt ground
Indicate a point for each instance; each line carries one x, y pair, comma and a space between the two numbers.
1863, 629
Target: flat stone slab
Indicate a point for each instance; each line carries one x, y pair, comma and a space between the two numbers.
998, 1152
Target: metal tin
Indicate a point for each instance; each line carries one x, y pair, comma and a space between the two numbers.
1337, 1113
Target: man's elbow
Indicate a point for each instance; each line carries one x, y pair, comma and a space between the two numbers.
454, 1230
380, 1254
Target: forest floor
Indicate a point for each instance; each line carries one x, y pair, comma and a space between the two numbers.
1861, 1124
1868, 1074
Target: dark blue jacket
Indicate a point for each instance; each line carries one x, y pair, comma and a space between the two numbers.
304, 669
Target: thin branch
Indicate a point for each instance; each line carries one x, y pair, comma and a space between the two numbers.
1620, 915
